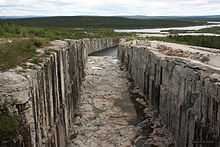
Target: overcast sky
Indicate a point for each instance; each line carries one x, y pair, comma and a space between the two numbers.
108, 7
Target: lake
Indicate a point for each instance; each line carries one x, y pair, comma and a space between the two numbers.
163, 30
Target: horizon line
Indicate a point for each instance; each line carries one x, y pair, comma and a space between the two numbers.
110, 15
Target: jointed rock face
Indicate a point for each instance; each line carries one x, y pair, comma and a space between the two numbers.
185, 91
45, 96
180, 95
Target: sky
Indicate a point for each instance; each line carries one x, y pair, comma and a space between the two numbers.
109, 7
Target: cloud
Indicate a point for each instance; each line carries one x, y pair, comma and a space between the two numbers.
108, 7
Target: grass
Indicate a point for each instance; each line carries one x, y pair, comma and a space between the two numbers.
29, 34
214, 30
9, 122
8, 127
178, 31
16, 52
25, 40
8, 30
203, 41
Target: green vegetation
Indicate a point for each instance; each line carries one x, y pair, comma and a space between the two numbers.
102, 22
19, 43
31, 33
15, 52
204, 41
8, 126
178, 31
214, 30
9, 30
9, 121
189, 18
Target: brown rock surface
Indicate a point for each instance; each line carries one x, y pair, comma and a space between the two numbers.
106, 113
185, 91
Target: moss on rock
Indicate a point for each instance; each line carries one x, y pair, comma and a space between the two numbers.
9, 125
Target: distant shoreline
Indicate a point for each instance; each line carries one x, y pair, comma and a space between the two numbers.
166, 30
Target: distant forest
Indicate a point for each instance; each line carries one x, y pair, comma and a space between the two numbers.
203, 41
103, 22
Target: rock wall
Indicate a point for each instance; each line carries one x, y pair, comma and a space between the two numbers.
43, 96
185, 92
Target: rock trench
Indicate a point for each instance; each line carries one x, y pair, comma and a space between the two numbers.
111, 110
178, 87
105, 112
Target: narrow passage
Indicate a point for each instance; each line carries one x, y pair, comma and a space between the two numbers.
106, 113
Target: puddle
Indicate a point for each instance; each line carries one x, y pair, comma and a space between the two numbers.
106, 52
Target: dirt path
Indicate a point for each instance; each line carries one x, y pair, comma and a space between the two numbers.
106, 113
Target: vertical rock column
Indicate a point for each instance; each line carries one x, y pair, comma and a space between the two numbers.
44, 95
186, 94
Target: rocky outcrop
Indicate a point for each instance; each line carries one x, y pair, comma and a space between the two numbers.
183, 91
43, 96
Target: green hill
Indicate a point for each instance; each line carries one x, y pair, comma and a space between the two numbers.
102, 22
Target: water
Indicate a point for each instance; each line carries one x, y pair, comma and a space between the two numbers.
106, 52
159, 30
198, 34
214, 22
179, 34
